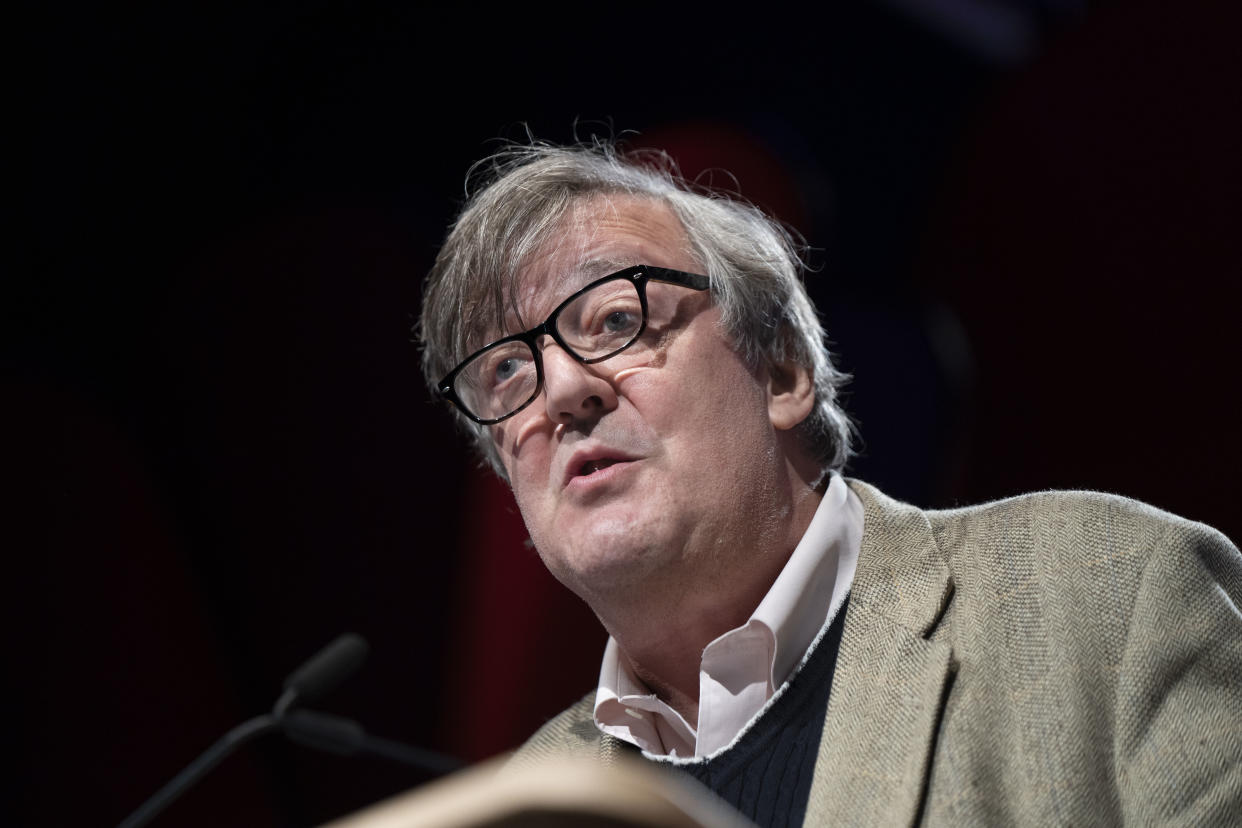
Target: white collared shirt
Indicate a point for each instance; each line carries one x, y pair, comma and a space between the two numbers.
741, 670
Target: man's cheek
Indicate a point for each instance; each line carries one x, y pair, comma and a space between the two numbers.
510, 452
534, 499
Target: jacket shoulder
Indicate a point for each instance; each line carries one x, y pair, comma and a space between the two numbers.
571, 732
1079, 565
1080, 524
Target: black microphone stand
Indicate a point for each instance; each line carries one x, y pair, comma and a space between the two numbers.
200, 767
314, 679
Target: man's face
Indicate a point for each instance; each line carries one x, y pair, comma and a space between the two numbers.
626, 470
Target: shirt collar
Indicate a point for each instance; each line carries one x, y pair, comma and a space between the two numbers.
815, 577
806, 595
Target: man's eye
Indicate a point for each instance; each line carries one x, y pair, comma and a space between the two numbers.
505, 369
502, 369
619, 321
616, 318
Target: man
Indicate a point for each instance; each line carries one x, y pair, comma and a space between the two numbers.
641, 363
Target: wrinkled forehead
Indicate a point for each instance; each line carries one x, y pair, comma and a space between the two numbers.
595, 237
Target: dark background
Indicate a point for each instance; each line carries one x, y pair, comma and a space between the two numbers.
220, 450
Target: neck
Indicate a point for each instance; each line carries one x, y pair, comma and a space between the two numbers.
663, 628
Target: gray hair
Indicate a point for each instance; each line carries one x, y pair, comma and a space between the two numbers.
521, 195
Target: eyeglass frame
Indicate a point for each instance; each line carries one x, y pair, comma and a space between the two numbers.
638, 275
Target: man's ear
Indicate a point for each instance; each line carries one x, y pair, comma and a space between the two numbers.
791, 395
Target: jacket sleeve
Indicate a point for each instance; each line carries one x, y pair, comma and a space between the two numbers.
1178, 728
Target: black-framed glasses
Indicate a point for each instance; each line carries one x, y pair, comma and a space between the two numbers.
594, 324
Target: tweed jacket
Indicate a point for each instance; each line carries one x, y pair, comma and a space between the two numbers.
1060, 658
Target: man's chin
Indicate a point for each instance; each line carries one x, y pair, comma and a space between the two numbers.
597, 566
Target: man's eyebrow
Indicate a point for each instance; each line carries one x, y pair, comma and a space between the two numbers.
596, 268
582, 274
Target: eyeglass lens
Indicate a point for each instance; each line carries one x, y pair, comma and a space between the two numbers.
594, 326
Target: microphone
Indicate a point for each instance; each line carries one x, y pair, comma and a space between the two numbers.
323, 672
317, 677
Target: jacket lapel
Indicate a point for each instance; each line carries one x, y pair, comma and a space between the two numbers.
890, 681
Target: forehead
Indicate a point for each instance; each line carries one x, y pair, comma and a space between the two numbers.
600, 236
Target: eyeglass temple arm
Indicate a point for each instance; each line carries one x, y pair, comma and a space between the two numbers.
677, 277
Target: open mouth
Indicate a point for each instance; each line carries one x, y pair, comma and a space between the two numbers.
592, 466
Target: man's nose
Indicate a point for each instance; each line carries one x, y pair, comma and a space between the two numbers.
572, 391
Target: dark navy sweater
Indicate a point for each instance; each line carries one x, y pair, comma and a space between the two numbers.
766, 774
